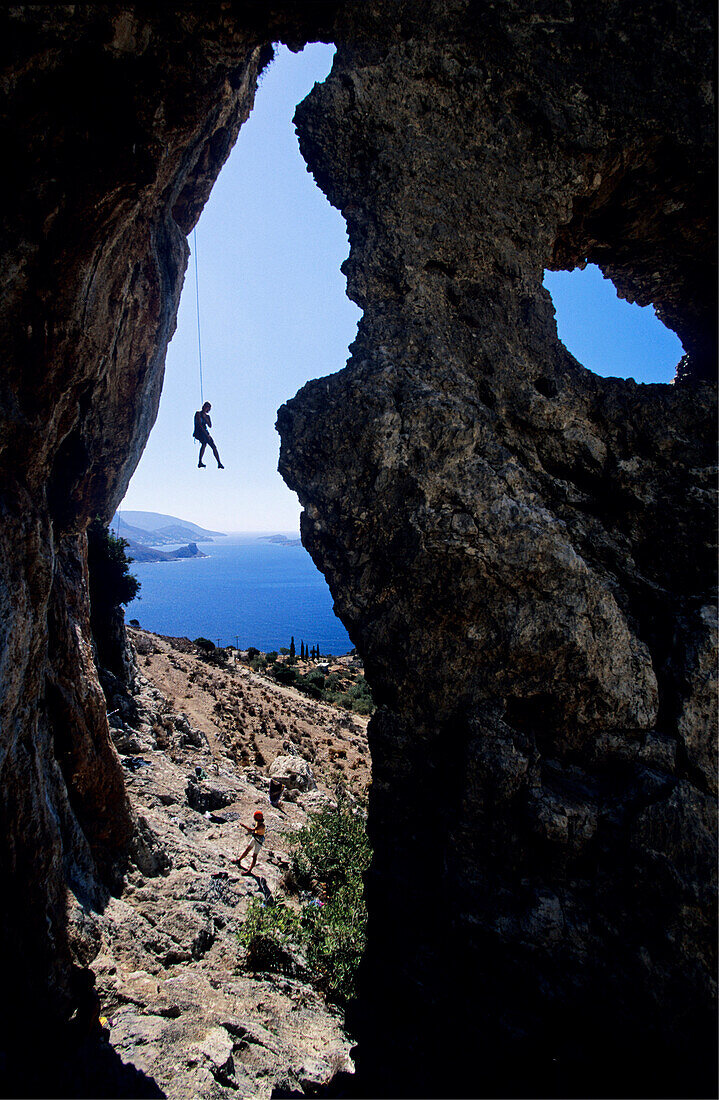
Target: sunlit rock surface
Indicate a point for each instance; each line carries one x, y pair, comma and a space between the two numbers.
521, 551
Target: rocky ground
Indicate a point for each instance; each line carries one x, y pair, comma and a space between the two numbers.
197, 747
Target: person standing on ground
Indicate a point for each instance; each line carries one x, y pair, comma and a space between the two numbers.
202, 423
257, 832
275, 792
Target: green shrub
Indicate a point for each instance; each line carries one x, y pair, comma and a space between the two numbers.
317, 677
283, 674
332, 848
269, 932
331, 854
308, 687
252, 652
111, 582
360, 689
334, 938
360, 694
111, 585
204, 644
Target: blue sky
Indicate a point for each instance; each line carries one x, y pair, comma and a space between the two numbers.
609, 336
274, 313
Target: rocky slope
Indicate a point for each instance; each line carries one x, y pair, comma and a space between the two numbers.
523, 553
184, 1015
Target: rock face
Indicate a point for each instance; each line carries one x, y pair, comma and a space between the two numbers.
521, 552
116, 128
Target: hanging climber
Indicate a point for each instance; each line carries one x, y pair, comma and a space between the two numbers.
202, 423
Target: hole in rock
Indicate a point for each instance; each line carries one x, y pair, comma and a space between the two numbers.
609, 336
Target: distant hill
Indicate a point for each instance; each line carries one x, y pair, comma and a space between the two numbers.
281, 540
156, 529
141, 553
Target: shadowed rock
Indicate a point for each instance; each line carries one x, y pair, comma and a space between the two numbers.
522, 553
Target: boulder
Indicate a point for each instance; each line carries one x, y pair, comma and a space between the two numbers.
203, 796
294, 772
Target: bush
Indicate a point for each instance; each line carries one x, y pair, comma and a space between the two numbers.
360, 689
111, 582
205, 644
360, 696
331, 854
269, 932
217, 656
332, 848
305, 685
317, 677
252, 652
283, 674
111, 585
334, 937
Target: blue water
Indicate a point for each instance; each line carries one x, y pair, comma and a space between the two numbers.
247, 591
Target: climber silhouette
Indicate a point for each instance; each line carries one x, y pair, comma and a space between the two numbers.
202, 423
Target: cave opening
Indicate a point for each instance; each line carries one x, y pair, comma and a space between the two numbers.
274, 314
610, 336
91, 312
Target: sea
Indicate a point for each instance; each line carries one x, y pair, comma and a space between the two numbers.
247, 591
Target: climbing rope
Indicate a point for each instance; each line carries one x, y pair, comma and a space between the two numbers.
197, 303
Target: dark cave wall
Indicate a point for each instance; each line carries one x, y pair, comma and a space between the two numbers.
522, 552
117, 124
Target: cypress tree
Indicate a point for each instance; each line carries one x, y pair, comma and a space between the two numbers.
293, 651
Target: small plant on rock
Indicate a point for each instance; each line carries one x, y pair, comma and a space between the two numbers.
269, 933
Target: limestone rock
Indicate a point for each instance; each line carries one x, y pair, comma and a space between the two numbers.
217, 1047
519, 549
294, 772
204, 795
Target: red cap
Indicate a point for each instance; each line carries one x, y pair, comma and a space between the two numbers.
258, 813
